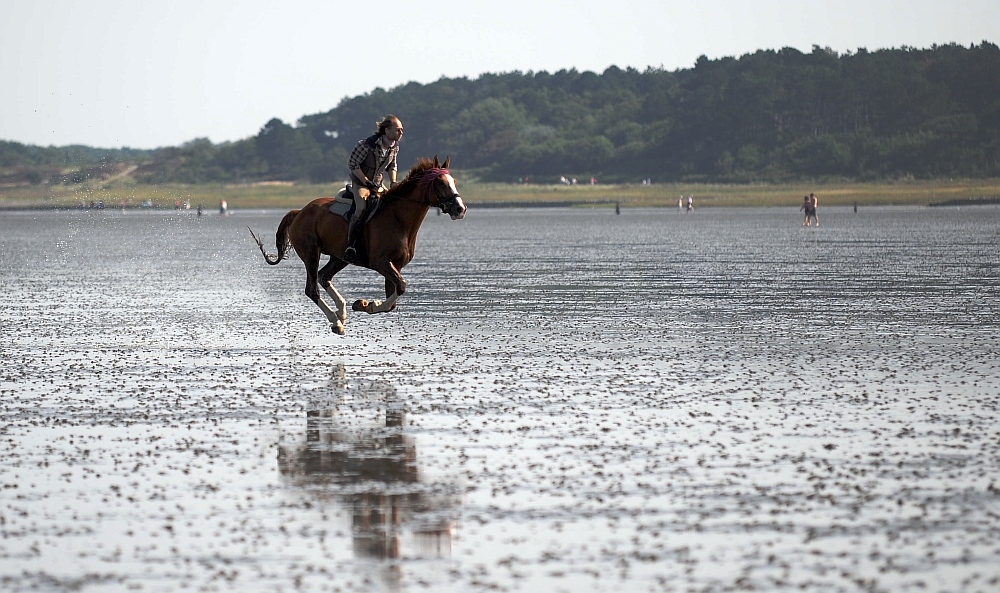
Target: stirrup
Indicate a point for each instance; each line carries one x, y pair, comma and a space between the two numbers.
349, 254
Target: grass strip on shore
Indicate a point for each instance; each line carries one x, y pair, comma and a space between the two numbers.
292, 195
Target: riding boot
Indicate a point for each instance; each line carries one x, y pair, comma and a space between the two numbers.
352, 236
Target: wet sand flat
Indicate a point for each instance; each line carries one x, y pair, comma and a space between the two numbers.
565, 400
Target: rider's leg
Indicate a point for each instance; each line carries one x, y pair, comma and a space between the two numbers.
360, 195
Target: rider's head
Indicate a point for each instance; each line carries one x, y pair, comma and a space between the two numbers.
390, 126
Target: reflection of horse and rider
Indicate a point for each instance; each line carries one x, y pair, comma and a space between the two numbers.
372, 468
384, 240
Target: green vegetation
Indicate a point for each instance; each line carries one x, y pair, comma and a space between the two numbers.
771, 117
20, 164
125, 189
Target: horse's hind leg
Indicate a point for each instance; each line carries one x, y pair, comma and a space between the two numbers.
326, 274
311, 259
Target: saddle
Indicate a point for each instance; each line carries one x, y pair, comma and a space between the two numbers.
343, 205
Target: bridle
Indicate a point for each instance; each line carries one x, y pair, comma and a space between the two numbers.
427, 180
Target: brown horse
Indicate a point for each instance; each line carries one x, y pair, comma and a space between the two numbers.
388, 243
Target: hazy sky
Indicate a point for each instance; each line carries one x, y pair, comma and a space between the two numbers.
147, 73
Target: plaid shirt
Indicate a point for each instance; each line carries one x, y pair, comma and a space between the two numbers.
372, 158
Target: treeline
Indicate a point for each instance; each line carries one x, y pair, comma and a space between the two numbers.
21, 163
767, 116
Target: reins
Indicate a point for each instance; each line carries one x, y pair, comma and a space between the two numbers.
427, 177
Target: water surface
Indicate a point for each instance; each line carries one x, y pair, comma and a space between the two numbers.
565, 400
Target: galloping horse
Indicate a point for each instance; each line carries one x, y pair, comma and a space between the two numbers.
388, 243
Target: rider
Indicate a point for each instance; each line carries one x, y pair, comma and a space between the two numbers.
370, 159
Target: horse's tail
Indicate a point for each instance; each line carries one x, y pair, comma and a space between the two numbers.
280, 239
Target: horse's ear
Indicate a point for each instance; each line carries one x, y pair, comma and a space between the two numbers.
447, 161
436, 163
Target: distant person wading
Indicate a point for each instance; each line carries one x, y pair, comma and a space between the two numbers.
370, 160
809, 205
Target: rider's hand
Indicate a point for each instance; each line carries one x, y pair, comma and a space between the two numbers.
372, 186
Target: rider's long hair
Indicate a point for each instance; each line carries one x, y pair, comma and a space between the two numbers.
387, 121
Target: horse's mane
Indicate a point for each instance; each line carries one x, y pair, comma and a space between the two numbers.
413, 177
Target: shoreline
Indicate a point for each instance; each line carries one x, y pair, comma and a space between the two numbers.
494, 195
973, 203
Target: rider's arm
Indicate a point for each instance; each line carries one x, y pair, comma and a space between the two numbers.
359, 174
391, 168
358, 156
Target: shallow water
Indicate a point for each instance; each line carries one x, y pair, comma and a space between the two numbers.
565, 400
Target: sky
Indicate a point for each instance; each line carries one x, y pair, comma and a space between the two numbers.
111, 73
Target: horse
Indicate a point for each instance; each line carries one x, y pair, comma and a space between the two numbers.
387, 244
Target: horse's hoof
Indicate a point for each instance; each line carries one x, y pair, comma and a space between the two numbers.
338, 328
359, 305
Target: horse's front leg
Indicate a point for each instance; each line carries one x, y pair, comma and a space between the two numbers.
390, 289
395, 286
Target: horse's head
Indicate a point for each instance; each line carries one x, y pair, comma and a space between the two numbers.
443, 192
